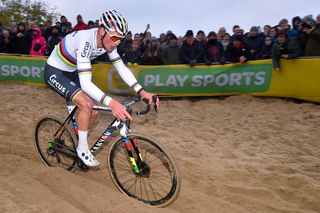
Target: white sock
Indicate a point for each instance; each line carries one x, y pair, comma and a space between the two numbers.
83, 140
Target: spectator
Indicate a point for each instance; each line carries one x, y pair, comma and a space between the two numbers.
222, 31
284, 48
225, 41
273, 33
284, 25
254, 42
63, 25
6, 42
125, 44
180, 40
237, 51
13, 30
266, 50
190, 51
213, 52
296, 28
132, 55
80, 24
47, 29
153, 54
68, 29
53, 40
39, 44
172, 53
163, 40
90, 24
266, 29
96, 24
201, 38
20, 41
318, 21
311, 37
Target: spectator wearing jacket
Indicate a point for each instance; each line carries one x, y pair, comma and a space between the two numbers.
225, 41
6, 44
132, 55
172, 53
284, 48
20, 41
213, 51
266, 50
237, 51
254, 42
311, 37
80, 24
153, 54
53, 39
191, 51
39, 44
125, 44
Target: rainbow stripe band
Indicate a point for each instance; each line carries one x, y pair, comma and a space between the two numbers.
105, 100
64, 55
84, 71
116, 60
137, 87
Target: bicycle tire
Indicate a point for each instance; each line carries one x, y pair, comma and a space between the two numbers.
45, 129
153, 189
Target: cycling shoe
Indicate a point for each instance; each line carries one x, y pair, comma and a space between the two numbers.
87, 158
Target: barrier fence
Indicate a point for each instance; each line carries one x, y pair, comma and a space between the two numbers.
298, 78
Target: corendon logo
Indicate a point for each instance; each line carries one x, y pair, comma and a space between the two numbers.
85, 49
56, 84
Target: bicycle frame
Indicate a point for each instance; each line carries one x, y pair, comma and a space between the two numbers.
114, 125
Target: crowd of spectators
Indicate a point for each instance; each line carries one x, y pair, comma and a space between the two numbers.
286, 40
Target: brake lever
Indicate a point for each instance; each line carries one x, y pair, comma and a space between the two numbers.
154, 100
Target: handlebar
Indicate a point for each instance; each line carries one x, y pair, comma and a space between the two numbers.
128, 103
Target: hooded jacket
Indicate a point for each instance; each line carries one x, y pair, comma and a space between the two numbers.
38, 45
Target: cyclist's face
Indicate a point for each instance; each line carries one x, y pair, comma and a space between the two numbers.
111, 41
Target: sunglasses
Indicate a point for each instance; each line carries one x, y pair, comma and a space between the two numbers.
115, 38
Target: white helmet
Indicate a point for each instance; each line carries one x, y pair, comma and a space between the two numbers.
114, 22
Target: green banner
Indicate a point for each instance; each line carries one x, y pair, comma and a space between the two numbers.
26, 70
242, 78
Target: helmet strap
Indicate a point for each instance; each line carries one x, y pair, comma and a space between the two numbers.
102, 38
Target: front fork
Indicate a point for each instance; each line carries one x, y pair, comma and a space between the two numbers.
125, 139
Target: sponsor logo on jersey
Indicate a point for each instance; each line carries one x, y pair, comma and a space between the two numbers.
86, 49
53, 81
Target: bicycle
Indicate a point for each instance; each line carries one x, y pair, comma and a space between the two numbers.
139, 167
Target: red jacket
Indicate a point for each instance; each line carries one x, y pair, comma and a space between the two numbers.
39, 44
80, 26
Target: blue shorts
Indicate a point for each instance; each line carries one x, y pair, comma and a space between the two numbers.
66, 84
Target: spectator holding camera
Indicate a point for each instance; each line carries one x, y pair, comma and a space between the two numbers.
213, 51
310, 36
284, 48
38, 44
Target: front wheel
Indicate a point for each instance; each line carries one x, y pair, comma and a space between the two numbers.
158, 180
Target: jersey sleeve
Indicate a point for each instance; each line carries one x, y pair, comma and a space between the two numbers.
124, 72
84, 70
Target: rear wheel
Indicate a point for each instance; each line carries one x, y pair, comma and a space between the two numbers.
158, 181
54, 143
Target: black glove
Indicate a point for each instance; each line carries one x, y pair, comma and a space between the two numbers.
192, 63
37, 47
208, 63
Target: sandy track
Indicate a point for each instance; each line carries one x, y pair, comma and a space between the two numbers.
239, 154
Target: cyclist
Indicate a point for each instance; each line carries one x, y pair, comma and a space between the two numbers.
68, 72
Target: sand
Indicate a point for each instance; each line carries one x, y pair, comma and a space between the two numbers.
236, 154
